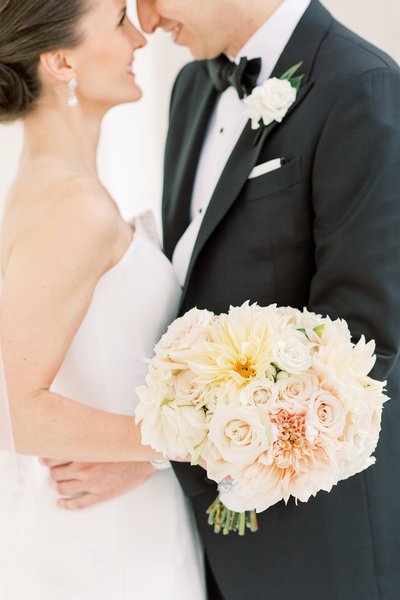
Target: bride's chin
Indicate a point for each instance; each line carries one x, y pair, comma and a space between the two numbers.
134, 96
138, 93
135, 92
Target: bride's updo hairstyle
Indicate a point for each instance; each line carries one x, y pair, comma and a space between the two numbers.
27, 29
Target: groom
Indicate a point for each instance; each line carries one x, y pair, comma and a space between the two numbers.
305, 212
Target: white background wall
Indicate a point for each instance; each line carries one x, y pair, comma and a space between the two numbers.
131, 146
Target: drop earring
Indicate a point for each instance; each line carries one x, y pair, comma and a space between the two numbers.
72, 99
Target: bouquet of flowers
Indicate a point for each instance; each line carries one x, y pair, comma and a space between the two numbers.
275, 401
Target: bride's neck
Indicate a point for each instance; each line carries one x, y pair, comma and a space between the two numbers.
70, 135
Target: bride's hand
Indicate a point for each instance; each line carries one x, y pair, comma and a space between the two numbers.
91, 483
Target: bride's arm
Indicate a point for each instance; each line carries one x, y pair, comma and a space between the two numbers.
49, 280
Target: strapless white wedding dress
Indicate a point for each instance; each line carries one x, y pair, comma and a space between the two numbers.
142, 545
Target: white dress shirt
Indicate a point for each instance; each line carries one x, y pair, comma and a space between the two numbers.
228, 121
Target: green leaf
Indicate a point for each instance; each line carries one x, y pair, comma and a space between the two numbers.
319, 330
290, 72
304, 332
296, 82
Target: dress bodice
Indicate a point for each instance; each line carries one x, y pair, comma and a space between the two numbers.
132, 305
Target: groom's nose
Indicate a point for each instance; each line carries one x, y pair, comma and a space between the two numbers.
149, 18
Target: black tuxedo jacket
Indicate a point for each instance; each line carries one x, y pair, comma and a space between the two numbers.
323, 232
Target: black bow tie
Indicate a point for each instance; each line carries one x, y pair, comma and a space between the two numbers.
243, 77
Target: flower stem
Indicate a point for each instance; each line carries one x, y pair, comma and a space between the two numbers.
228, 520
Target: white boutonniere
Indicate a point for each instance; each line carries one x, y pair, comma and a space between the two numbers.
271, 101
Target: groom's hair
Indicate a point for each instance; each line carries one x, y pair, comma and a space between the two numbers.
27, 29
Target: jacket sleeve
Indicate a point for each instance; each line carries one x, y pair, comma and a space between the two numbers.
356, 201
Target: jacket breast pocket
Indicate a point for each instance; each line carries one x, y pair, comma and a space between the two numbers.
273, 182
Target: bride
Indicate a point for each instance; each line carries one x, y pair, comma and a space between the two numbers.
85, 295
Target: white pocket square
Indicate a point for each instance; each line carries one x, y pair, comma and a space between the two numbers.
267, 167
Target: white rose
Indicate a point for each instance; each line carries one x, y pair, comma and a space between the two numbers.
151, 397
293, 354
159, 374
217, 467
270, 101
241, 433
188, 391
290, 315
249, 494
175, 430
361, 437
363, 425
214, 396
183, 336
327, 414
297, 389
258, 393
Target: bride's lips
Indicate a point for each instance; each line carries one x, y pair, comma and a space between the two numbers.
130, 70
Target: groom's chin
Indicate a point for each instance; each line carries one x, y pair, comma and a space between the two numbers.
199, 49
199, 54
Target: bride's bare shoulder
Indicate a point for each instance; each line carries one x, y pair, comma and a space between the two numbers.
84, 201
71, 211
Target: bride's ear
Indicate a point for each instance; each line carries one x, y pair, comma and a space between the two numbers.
57, 65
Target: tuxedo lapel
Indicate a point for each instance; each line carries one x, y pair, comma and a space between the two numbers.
305, 41
234, 176
177, 212
302, 46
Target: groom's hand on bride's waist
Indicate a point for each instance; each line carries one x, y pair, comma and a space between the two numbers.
84, 484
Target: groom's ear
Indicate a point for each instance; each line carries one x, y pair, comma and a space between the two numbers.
57, 65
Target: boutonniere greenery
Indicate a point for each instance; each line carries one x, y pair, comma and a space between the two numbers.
271, 101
